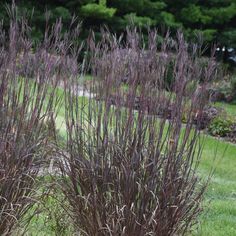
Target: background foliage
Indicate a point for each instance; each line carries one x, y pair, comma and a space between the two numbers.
215, 19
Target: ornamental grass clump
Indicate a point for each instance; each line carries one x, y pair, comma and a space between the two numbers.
128, 170
29, 101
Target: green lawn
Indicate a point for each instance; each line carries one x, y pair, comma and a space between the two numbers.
219, 217
229, 108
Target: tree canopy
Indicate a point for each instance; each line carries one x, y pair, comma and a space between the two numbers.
215, 19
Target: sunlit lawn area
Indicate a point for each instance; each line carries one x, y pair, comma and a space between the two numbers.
219, 217
230, 108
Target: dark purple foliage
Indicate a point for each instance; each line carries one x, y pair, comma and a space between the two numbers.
128, 171
28, 108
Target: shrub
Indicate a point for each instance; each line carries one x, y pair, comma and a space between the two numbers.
220, 126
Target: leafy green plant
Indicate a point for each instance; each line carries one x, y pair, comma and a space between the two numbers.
220, 126
98, 11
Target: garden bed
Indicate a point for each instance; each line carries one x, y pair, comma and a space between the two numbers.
213, 120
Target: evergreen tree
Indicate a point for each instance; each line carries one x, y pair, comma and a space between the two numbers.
215, 19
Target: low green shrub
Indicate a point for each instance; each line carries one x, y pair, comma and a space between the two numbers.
220, 126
